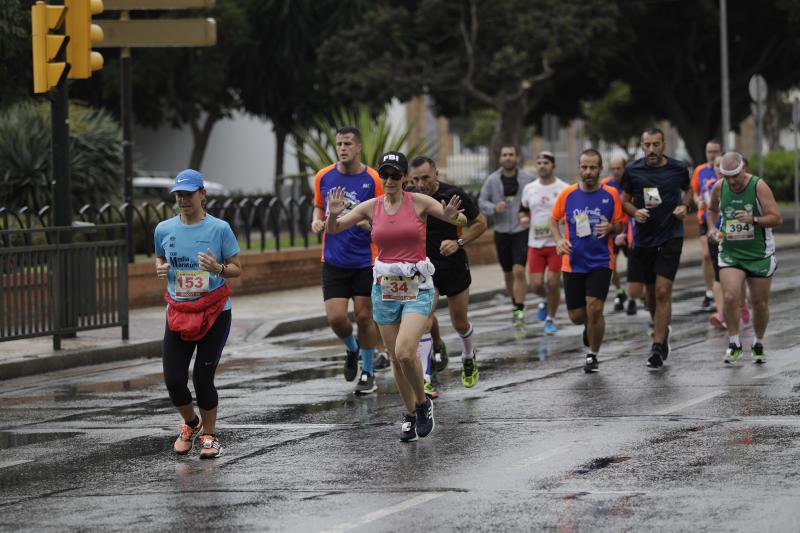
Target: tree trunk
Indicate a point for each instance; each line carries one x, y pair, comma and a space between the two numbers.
507, 130
200, 137
305, 185
280, 146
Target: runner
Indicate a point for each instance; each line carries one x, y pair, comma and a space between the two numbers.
656, 195
347, 258
445, 248
746, 249
402, 294
700, 177
500, 198
593, 214
617, 168
537, 202
195, 253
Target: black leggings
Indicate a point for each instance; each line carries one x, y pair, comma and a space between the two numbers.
177, 355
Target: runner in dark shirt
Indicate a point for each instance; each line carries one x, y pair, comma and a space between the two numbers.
656, 193
445, 248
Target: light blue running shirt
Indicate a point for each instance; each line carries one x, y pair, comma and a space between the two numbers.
180, 243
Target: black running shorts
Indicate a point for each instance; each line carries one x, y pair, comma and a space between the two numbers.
644, 264
512, 249
346, 282
577, 286
451, 278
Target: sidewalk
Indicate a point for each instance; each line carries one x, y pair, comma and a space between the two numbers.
255, 317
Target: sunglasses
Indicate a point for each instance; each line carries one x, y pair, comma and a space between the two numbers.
391, 176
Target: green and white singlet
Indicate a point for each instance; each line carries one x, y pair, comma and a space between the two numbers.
748, 247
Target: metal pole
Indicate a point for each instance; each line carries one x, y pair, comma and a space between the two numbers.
759, 131
126, 96
796, 184
726, 100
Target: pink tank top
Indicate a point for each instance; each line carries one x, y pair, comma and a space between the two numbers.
400, 237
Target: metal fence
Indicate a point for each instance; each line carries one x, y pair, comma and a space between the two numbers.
61, 280
259, 222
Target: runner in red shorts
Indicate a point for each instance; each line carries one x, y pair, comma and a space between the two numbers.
538, 198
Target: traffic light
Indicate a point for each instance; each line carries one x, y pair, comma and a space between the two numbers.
82, 34
46, 46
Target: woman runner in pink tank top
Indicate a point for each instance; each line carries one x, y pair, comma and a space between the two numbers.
402, 292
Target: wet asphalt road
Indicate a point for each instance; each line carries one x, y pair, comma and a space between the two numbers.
536, 445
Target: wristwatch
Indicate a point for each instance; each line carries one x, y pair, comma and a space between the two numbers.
755, 220
460, 243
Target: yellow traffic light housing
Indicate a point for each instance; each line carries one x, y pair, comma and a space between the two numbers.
46, 46
82, 35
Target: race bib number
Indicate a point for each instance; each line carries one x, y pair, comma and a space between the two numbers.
541, 231
399, 288
582, 226
652, 198
191, 283
737, 231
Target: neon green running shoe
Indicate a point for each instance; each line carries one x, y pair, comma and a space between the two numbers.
732, 354
430, 392
757, 353
519, 317
469, 372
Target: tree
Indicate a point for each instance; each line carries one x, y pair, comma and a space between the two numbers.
278, 76
15, 52
615, 117
498, 55
669, 55
192, 87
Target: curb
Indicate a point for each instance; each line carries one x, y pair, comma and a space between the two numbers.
79, 357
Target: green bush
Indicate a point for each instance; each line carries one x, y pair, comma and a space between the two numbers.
95, 152
778, 173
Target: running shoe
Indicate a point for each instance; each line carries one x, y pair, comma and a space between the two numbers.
425, 422
550, 327
666, 344
745, 313
718, 321
541, 311
732, 354
351, 365
430, 392
591, 364
619, 301
366, 384
469, 372
408, 431
707, 303
519, 317
655, 360
757, 353
585, 337
440, 358
381, 361
631, 307
185, 441
210, 448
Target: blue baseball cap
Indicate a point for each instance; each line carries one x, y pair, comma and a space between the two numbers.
188, 180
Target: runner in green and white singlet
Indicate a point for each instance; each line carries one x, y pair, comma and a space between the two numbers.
746, 248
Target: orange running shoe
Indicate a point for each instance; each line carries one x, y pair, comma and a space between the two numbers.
210, 447
185, 441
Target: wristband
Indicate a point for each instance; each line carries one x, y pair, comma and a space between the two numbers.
221, 270
755, 220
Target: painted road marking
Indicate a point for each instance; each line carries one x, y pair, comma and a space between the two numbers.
382, 513
690, 403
